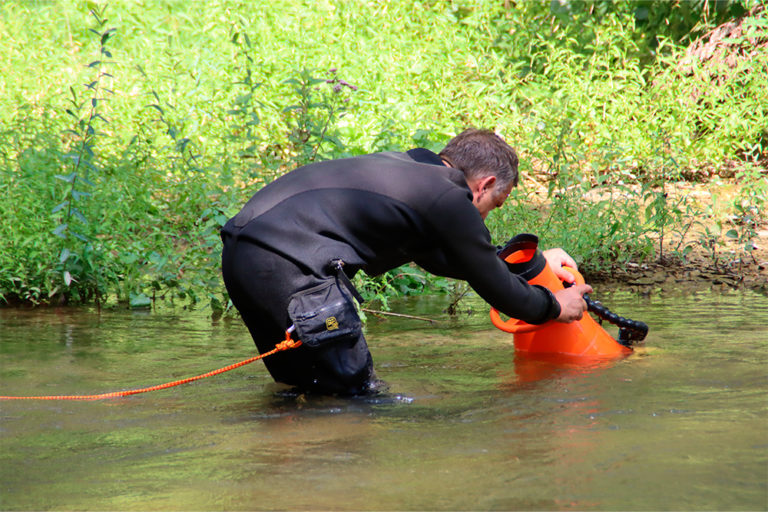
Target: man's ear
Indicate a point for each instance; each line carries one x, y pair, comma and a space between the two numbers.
490, 182
480, 187
483, 185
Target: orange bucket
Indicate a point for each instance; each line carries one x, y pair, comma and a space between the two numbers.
585, 337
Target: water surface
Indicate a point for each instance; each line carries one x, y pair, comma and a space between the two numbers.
679, 425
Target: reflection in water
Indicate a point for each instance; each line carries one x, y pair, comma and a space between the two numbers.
535, 367
680, 424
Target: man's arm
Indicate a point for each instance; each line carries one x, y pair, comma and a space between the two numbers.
467, 253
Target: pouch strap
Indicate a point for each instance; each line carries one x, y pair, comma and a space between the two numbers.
337, 265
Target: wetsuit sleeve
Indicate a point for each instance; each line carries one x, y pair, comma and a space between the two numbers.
467, 253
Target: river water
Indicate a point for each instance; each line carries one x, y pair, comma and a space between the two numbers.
681, 424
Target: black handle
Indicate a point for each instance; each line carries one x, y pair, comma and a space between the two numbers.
630, 331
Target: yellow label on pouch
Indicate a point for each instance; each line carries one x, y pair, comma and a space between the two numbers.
331, 323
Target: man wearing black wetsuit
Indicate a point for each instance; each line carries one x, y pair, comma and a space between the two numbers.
375, 213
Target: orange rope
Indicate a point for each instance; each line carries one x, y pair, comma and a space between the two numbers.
283, 345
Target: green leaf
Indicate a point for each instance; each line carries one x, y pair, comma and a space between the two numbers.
732, 233
69, 178
60, 206
77, 195
61, 230
243, 99
106, 35
129, 258
79, 236
64, 256
79, 215
139, 300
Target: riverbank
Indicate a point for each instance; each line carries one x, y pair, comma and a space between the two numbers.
708, 245
711, 261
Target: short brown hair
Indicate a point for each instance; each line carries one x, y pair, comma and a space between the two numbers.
480, 153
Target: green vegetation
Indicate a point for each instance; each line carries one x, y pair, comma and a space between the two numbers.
130, 132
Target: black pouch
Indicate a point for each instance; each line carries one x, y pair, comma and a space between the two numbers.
324, 314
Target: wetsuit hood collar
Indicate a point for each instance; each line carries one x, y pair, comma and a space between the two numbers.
425, 156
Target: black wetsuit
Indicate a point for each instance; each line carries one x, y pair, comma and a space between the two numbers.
374, 212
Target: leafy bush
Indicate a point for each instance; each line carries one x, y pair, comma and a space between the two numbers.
130, 133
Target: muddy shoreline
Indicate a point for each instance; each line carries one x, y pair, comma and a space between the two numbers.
677, 276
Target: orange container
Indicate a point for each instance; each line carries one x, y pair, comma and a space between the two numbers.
583, 337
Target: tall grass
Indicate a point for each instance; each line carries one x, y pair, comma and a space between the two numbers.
194, 108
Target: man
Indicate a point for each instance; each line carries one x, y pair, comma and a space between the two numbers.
289, 252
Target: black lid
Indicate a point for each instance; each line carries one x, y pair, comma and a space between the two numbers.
525, 269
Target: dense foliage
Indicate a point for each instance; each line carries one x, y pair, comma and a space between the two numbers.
130, 132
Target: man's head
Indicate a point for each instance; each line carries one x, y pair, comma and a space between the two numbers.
489, 165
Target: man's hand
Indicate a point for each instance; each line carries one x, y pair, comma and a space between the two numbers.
557, 258
572, 303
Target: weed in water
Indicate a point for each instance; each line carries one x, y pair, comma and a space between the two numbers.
78, 259
246, 106
661, 211
321, 102
749, 210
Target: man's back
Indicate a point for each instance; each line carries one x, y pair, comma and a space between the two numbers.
374, 212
